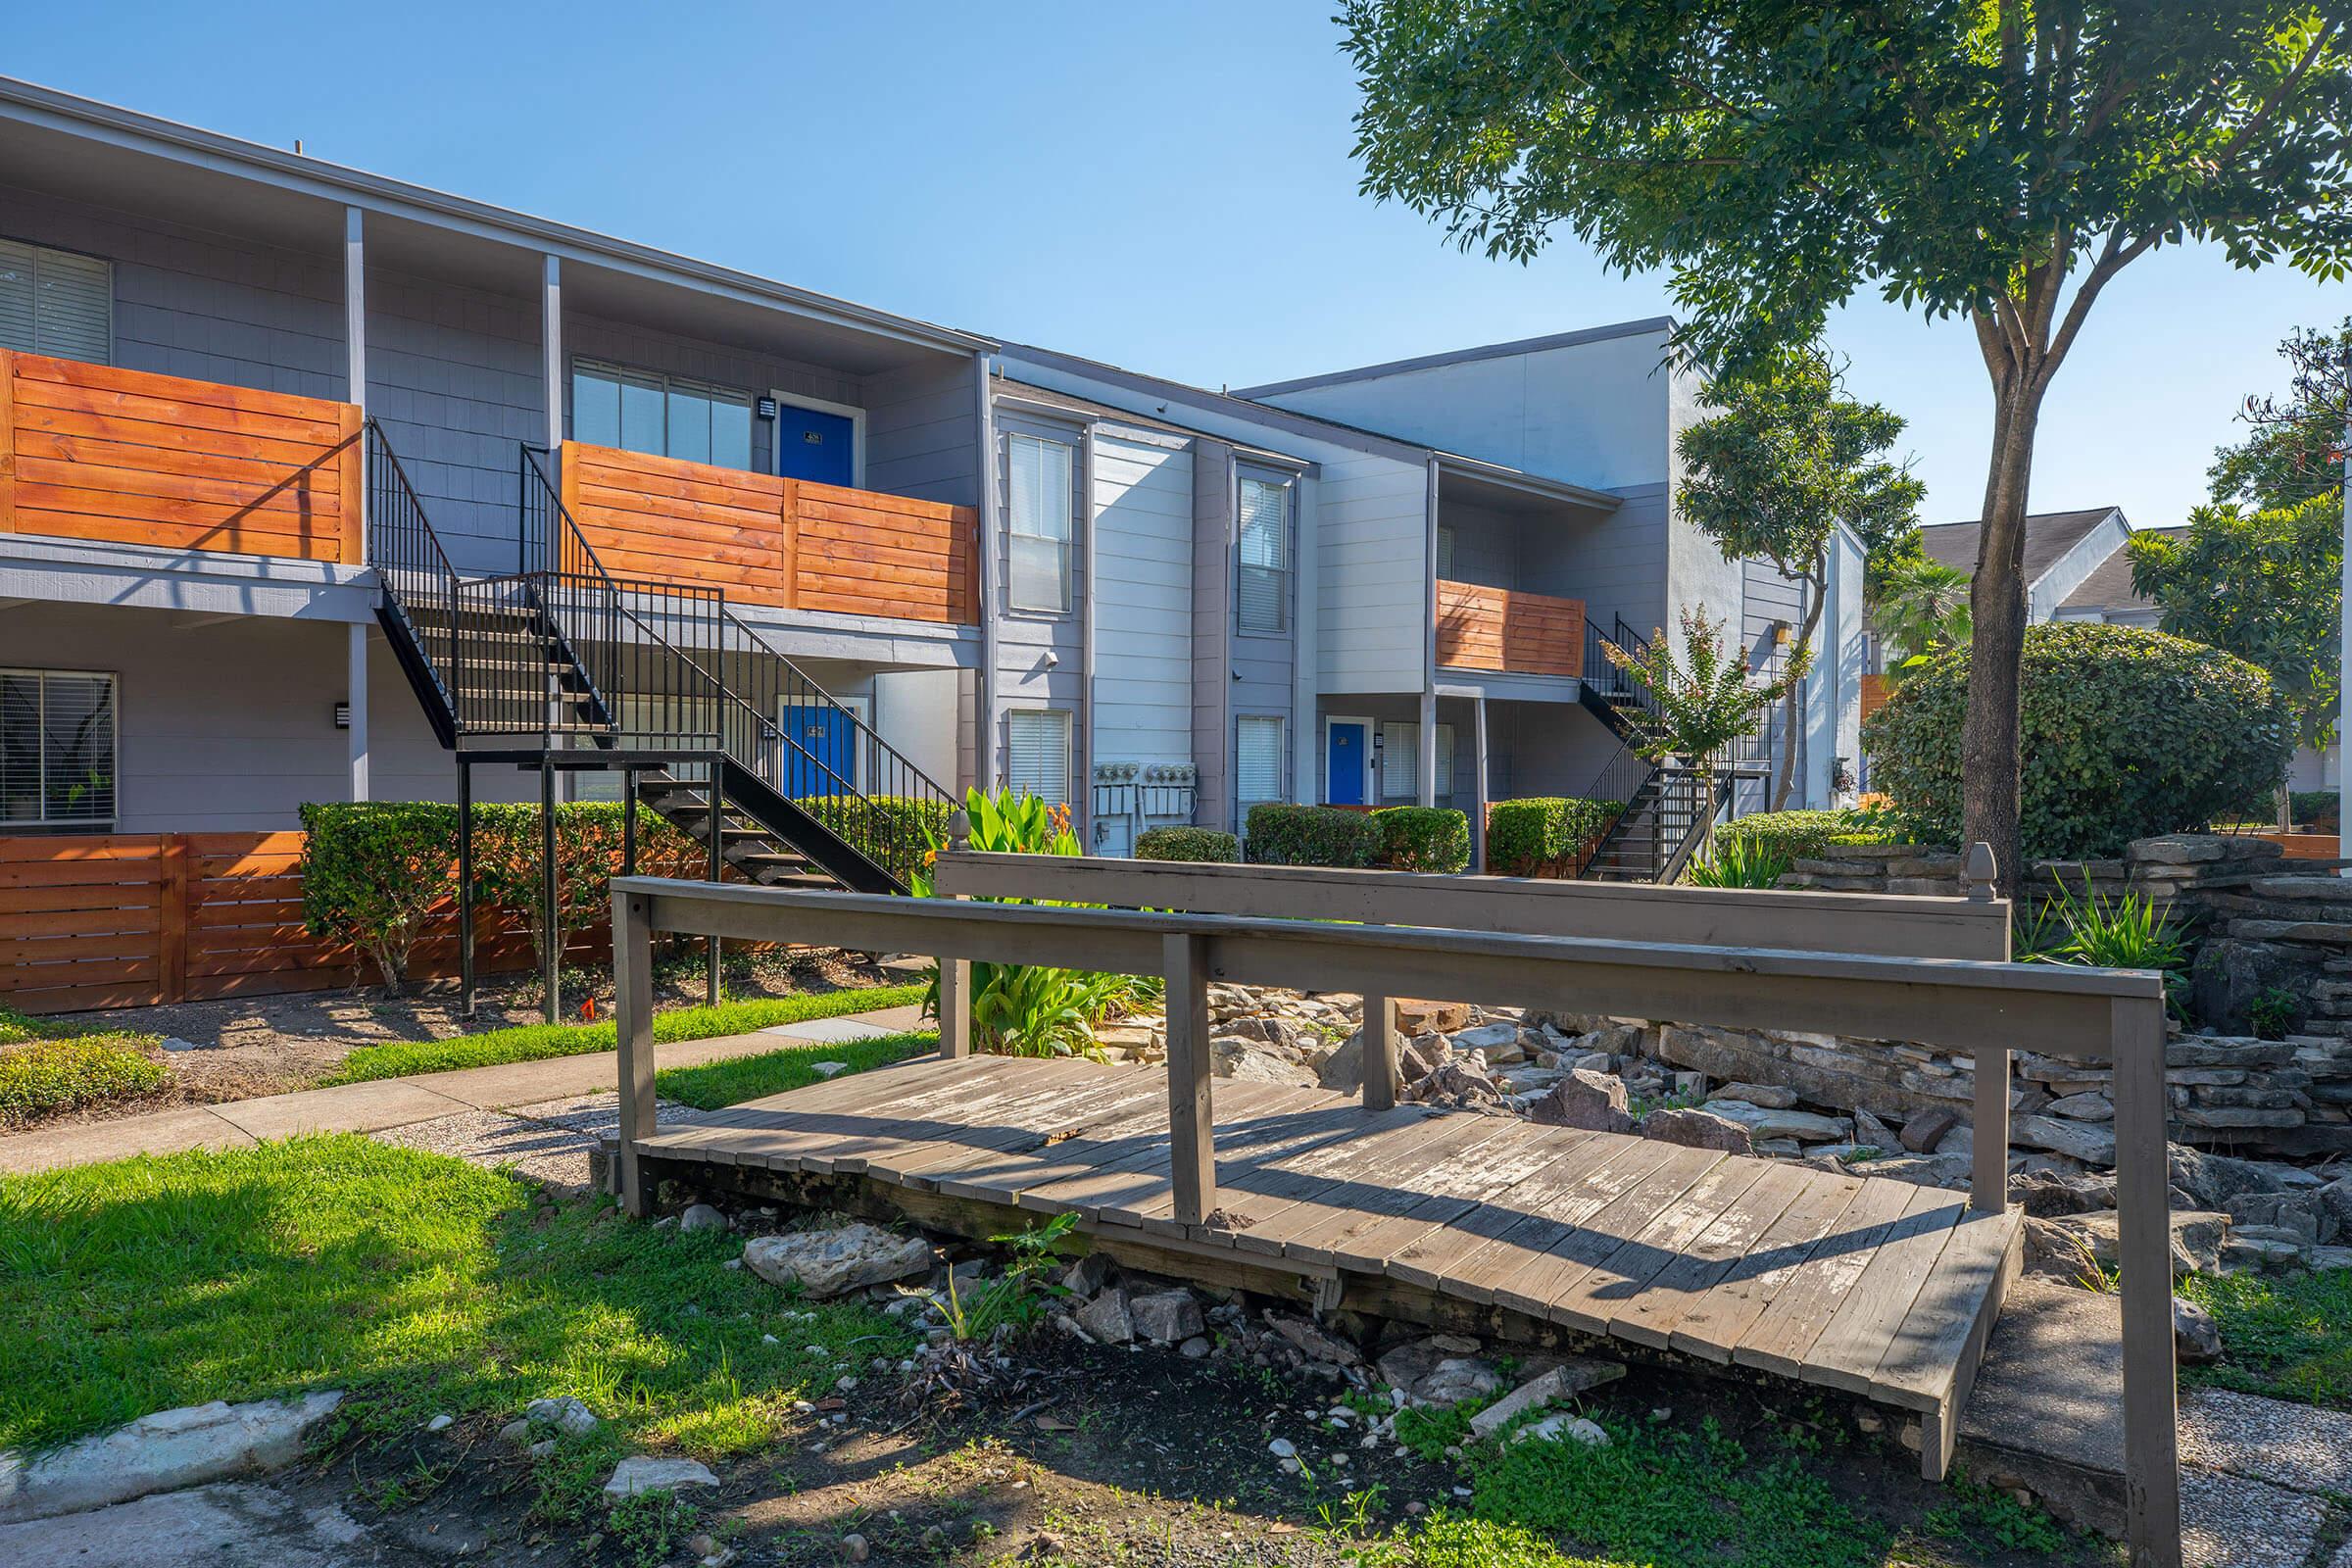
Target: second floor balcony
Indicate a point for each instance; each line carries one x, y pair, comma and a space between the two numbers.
1509, 630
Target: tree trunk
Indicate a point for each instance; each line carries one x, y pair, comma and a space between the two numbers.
1989, 752
1819, 586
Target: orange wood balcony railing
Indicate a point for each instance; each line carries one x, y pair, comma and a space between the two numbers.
1504, 629
770, 541
91, 452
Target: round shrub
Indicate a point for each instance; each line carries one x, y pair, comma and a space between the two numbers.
1187, 844
1423, 838
1801, 835
1312, 835
2127, 733
1543, 835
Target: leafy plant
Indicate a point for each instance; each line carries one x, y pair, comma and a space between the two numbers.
650, 1526
1807, 835
1423, 838
1312, 835
1737, 860
2273, 1012
509, 847
2129, 732
1187, 844
50, 1073
2296, 450
374, 872
1920, 607
2129, 931
1017, 1296
1544, 834
1705, 700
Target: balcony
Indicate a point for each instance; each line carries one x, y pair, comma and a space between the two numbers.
790, 544
94, 453
1507, 630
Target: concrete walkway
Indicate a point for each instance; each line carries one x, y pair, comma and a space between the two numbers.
569, 1087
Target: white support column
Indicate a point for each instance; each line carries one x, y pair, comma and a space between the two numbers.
356, 676
551, 339
1478, 803
355, 306
1426, 764
984, 706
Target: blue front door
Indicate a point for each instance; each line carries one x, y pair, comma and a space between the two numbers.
1345, 744
820, 757
811, 444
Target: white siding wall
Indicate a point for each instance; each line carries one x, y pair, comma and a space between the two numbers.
1143, 501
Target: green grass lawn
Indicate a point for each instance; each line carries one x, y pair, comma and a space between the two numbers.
538, 1040
2290, 1337
48, 1066
772, 1072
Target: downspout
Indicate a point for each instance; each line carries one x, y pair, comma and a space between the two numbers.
1082, 779
1426, 764
984, 704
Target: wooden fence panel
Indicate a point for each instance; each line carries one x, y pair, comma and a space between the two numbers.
133, 457
81, 922
1502, 629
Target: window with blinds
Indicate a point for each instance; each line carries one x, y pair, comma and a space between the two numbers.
1037, 517
660, 416
1037, 754
1262, 593
1445, 552
57, 749
1401, 763
55, 302
1257, 756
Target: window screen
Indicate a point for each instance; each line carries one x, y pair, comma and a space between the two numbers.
1258, 761
55, 302
1038, 509
1263, 592
639, 411
57, 749
1037, 754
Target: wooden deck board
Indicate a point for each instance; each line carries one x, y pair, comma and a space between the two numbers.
1830, 1277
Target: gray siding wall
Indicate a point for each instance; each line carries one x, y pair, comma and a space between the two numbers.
1266, 664
1142, 538
454, 378
1485, 545
922, 434
1025, 675
229, 726
1213, 482
1769, 597
1614, 562
190, 302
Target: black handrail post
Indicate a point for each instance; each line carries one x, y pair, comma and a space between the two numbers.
711, 979
465, 888
551, 931
628, 821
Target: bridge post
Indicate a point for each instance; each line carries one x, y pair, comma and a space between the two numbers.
1378, 1037
633, 1031
2144, 1245
1989, 1171
1191, 1154
956, 974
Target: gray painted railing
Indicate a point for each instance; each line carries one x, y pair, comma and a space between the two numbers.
2114, 1018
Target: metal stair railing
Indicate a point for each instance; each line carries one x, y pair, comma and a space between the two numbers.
714, 684
420, 585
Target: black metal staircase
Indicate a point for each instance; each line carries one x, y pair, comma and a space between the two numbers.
1668, 811
560, 665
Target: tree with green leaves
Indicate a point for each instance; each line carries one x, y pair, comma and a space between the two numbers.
1706, 700
2296, 450
2265, 585
1999, 162
1785, 462
1916, 606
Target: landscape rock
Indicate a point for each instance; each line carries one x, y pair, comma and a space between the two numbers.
1924, 1129
161, 1452
1311, 1342
1087, 1275
1569, 1379
1165, 1317
1106, 1317
2087, 1142
1436, 1371
1593, 1101
1697, 1129
565, 1414
2196, 1337
701, 1217
1772, 1096
827, 1262
643, 1472
1564, 1429
2198, 1239
1766, 1121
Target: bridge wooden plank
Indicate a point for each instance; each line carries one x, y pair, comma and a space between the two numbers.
1925, 1355
1250, 1166
1138, 1169
1713, 1325
1777, 1342
1447, 1252
1649, 1317
1532, 1288
1556, 1202
1369, 1177
1049, 1119
1857, 1334
1483, 1183
1609, 1286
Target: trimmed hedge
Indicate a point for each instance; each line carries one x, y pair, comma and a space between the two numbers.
1313, 834
375, 871
896, 830
1803, 835
1204, 844
2127, 733
1541, 835
2311, 807
1423, 838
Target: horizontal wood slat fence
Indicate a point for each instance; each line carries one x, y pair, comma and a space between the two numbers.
789, 543
1503, 629
125, 457
133, 920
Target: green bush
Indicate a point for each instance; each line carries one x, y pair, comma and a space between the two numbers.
375, 871
46, 1074
1803, 835
1312, 835
893, 830
2127, 733
2311, 807
1187, 844
1543, 835
509, 845
1423, 838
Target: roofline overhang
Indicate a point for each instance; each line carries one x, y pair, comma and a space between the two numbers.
1483, 351
1534, 485
31, 104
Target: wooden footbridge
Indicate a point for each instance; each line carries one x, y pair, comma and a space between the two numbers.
1879, 1287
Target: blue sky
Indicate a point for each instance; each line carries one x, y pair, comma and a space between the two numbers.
1166, 187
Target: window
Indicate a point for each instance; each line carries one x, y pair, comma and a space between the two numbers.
1257, 758
57, 749
55, 302
1401, 763
1037, 754
1262, 596
639, 411
1445, 552
1038, 511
